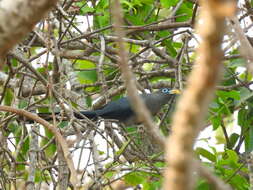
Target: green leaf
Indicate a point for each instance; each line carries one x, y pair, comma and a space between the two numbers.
63, 124
86, 77
14, 62
103, 4
22, 104
129, 6
102, 21
38, 176
228, 94
12, 127
147, 67
156, 184
43, 110
8, 98
216, 121
51, 149
87, 9
109, 174
237, 63
84, 64
20, 167
135, 19
186, 8
88, 101
25, 146
214, 106
242, 117
148, 2
22, 154
170, 48
177, 44
202, 185
81, 3
219, 136
134, 178
156, 155
44, 70
206, 154
103, 16
238, 182
228, 80
160, 164
245, 95
122, 149
111, 164
249, 140
168, 3
232, 140
245, 76
41, 175
84, 7
232, 156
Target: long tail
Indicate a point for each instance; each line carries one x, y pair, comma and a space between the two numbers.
88, 114
78, 115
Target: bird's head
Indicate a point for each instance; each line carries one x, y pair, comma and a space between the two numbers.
168, 91
165, 94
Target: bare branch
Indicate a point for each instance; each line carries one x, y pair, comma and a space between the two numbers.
54, 130
136, 102
193, 105
18, 17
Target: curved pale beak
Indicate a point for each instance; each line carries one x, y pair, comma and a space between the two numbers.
175, 91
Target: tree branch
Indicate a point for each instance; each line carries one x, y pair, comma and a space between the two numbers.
193, 105
17, 19
54, 130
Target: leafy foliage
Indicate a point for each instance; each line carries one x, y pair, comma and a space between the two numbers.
72, 63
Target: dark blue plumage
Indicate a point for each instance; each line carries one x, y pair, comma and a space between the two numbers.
121, 109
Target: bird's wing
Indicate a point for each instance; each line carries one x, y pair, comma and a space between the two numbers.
119, 110
155, 102
88, 114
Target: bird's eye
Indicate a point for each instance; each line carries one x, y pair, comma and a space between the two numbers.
165, 90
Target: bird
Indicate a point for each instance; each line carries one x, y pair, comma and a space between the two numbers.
122, 111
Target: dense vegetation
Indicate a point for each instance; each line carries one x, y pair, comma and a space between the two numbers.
69, 63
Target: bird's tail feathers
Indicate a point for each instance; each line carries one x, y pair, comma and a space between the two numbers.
88, 114
78, 115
